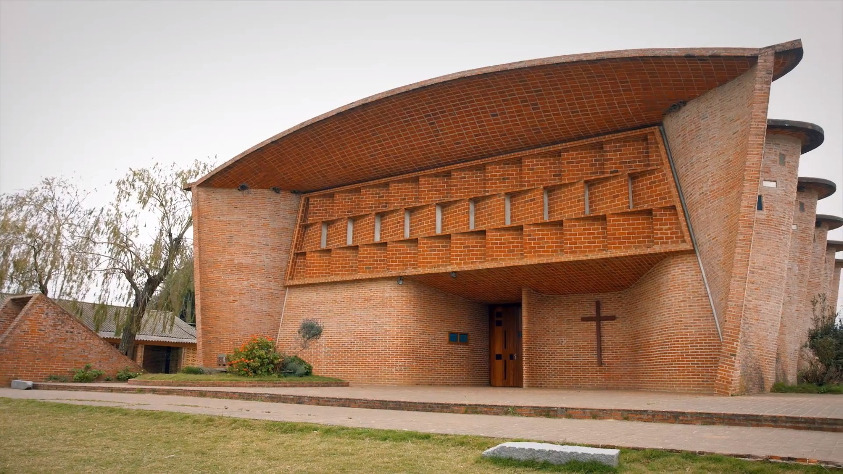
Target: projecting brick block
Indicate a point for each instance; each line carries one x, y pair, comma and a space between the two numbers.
21, 385
553, 453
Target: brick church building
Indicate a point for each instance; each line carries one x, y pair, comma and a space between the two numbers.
619, 220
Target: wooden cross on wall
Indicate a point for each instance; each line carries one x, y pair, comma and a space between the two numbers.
597, 318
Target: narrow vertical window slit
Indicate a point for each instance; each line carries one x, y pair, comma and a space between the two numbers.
507, 209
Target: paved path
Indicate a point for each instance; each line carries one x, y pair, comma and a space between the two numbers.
760, 442
789, 404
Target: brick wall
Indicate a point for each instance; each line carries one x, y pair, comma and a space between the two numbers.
818, 276
829, 290
708, 143
377, 331
667, 342
43, 339
242, 244
766, 283
625, 177
188, 356
717, 141
835, 284
796, 307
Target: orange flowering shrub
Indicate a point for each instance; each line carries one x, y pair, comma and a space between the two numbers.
254, 358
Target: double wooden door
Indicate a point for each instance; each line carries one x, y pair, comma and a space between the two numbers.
505, 346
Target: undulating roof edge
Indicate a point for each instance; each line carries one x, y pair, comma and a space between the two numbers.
824, 187
833, 222
810, 134
787, 56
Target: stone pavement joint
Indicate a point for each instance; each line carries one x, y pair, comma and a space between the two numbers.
384, 398
744, 442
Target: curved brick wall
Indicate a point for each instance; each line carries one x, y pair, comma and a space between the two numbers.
377, 331
796, 308
241, 247
717, 143
664, 342
768, 269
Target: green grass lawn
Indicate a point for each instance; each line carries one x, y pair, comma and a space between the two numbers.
231, 377
49, 437
808, 388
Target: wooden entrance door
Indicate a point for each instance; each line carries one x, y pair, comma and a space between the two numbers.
505, 346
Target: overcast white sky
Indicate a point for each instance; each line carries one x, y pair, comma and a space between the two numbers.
89, 89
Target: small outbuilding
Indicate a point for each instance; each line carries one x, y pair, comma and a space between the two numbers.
39, 338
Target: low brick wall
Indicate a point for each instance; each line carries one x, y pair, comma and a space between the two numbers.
650, 416
235, 383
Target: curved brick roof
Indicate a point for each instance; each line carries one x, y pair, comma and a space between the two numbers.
487, 112
811, 135
824, 187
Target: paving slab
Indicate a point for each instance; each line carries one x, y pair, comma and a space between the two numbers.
729, 440
21, 385
552, 453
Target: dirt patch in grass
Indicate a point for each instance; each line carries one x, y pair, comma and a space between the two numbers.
40, 436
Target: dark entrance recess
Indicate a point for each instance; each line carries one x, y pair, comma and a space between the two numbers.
505, 346
161, 359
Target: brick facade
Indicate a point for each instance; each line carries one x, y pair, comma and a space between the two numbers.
241, 247
667, 343
397, 236
378, 331
38, 339
796, 308
833, 298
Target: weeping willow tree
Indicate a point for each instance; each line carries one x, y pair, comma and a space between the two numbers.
45, 240
143, 238
177, 295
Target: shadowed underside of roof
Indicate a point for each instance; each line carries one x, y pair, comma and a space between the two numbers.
487, 112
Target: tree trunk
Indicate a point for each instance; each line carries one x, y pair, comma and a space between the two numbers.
127, 340
131, 329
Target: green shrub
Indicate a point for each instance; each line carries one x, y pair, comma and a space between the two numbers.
86, 374
825, 343
192, 370
295, 366
780, 387
309, 330
255, 358
57, 378
126, 373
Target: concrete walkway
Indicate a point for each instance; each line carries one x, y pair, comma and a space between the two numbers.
730, 440
788, 404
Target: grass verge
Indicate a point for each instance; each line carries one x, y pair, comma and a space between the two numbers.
48, 437
808, 388
237, 378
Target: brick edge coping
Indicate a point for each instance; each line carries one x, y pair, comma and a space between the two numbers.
620, 414
233, 383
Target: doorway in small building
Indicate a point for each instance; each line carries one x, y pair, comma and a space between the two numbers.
505, 346
161, 359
